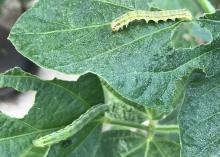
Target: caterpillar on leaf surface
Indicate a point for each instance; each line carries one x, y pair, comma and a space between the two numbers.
71, 129
155, 16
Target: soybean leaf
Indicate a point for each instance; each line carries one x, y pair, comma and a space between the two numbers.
84, 143
121, 109
57, 104
124, 143
140, 63
199, 117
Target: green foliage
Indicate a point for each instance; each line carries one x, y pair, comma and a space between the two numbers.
136, 145
146, 74
70, 130
199, 117
54, 99
151, 68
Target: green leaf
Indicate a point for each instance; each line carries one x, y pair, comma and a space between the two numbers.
124, 143
33, 151
54, 99
199, 117
120, 108
77, 125
138, 62
197, 7
83, 144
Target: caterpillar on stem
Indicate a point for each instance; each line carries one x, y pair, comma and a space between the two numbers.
71, 129
155, 16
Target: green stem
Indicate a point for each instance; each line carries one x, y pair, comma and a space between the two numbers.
166, 128
206, 6
156, 128
125, 123
147, 147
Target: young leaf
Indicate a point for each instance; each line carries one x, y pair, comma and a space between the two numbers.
199, 117
139, 62
57, 104
120, 108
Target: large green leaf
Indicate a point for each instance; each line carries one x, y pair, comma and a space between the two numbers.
124, 143
74, 36
199, 117
57, 104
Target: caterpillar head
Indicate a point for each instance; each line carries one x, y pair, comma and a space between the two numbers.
115, 26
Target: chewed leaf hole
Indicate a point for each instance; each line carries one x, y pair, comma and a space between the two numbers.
190, 35
19, 106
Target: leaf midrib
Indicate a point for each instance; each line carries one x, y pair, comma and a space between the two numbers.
61, 30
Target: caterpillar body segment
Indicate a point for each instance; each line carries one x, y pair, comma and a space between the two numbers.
155, 16
71, 129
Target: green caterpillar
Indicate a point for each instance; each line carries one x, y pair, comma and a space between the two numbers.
71, 129
155, 16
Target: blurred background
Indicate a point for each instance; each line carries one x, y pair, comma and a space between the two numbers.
17, 104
